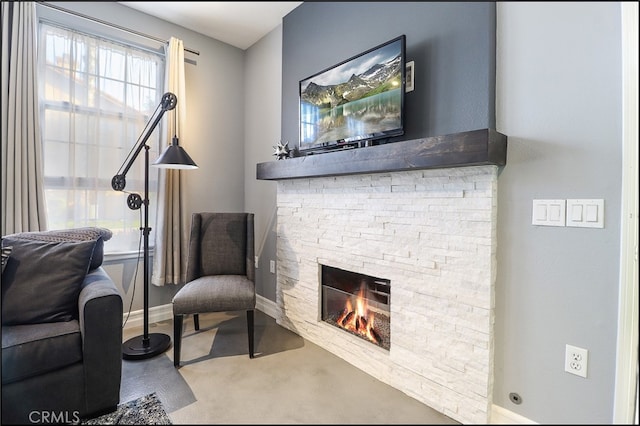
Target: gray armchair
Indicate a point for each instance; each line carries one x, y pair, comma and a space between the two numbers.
220, 272
61, 328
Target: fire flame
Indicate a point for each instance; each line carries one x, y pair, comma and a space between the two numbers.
360, 320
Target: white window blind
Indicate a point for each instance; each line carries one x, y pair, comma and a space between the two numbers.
96, 96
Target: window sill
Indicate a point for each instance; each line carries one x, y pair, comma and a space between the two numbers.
123, 256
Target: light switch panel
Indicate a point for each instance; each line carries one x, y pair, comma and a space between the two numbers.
548, 212
585, 213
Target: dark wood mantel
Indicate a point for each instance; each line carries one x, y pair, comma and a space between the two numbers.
473, 148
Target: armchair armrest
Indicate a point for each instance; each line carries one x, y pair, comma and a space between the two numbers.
100, 317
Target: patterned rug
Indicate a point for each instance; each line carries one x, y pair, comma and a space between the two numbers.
146, 410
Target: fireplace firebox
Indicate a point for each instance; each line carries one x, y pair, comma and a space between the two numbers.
357, 303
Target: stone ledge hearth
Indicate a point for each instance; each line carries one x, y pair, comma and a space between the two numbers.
433, 234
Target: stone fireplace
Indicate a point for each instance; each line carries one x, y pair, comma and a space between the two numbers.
432, 234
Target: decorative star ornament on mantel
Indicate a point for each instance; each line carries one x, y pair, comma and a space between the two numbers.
281, 151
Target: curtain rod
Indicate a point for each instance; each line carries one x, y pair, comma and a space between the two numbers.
109, 24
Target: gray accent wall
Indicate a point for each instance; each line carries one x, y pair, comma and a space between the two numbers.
452, 45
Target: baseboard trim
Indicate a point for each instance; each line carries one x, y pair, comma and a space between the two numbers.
156, 313
165, 312
502, 416
266, 306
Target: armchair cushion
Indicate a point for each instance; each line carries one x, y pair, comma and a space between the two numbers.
41, 281
34, 349
215, 293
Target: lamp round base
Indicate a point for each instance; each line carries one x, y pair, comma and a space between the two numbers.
140, 348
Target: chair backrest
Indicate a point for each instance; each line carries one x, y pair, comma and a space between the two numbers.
221, 244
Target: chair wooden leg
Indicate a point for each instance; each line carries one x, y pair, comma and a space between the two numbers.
177, 339
196, 321
250, 331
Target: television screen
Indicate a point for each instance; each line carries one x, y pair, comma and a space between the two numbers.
358, 100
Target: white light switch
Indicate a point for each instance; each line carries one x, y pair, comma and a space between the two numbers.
556, 213
548, 212
539, 212
576, 212
591, 213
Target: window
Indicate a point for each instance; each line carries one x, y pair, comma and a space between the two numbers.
96, 96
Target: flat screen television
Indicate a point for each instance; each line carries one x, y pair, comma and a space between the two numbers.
354, 103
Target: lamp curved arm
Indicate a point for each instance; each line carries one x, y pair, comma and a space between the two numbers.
168, 102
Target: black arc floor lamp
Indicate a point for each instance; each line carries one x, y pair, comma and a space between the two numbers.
174, 157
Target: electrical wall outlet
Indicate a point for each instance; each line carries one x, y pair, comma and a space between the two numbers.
272, 266
575, 361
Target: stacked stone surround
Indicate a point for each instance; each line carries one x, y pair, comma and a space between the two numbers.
432, 233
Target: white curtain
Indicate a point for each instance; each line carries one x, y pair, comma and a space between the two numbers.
23, 207
95, 97
172, 227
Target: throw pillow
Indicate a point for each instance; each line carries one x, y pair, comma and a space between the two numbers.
42, 280
72, 235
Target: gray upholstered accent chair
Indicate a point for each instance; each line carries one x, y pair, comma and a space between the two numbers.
220, 272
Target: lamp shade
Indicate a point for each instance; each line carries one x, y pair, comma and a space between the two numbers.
174, 157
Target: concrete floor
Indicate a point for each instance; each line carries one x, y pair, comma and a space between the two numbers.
290, 380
